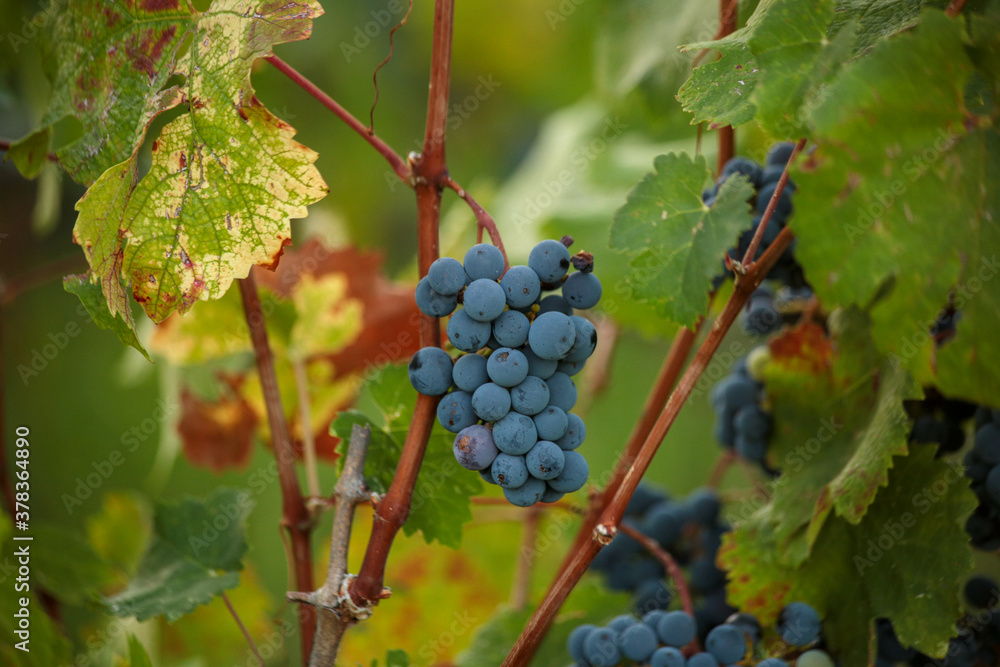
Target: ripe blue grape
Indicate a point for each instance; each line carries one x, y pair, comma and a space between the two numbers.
780, 153
538, 367
637, 642
667, 657
651, 593
600, 648
586, 339
652, 619
507, 367
752, 449
550, 495
551, 423
521, 286
982, 592
550, 260
774, 662
760, 318
509, 471
474, 448
726, 644
741, 165
432, 303
446, 276
582, 290
704, 506
747, 624
545, 460
483, 261
491, 402
574, 474
782, 209
705, 575
515, 434
798, 624
467, 334
733, 393
575, 434
527, 494
702, 660
663, 523
510, 329
993, 484
530, 397
752, 422
552, 335
487, 476
562, 391
576, 638
555, 303
621, 622
570, 367
455, 411
987, 444
484, 300
469, 372
430, 371
676, 628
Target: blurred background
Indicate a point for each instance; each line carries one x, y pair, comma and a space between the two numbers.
558, 108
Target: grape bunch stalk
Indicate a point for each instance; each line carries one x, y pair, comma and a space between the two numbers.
508, 397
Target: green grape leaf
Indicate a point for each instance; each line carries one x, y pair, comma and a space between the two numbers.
441, 497
878, 18
111, 61
31, 153
677, 241
780, 45
93, 300
903, 561
838, 426
137, 656
226, 176
195, 554
903, 180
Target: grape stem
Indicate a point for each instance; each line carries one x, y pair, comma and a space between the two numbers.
607, 525
727, 135
719, 469
954, 7
243, 628
769, 211
295, 516
669, 564
335, 610
484, 221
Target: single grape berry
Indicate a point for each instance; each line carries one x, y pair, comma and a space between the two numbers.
562, 391
469, 372
527, 494
509, 471
474, 448
551, 423
530, 397
432, 303
798, 624
446, 276
814, 658
555, 303
600, 649
491, 402
780, 153
702, 660
982, 592
515, 434
538, 367
484, 300
430, 371
637, 642
574, 474
586, 340
507, 367
455, 411
467, 334
676, 628
545, 460
550, 260
667, 657
576, 638
521, 286
726, 643
510, 329
582, 290
576, 432
484, 261
552, 335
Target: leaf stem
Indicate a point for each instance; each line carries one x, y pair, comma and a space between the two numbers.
607, 525
727, 135
397, 163
308, 442
483, 219
243, 628
771, 205
296, 518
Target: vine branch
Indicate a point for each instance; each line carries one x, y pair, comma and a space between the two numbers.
397, 163
771, 205
295, 516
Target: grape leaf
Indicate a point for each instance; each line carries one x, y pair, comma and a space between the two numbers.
440, 504
109, 62
31, 153
226, 176
835, 432
893, 164
878, 18
217, 434
195, 554
780, 44
903, 561
677, 240
64, 563
92, 299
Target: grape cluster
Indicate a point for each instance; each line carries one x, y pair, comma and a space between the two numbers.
508, 398
691, 530
741, 422
982, 466
976, 642
665, 639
